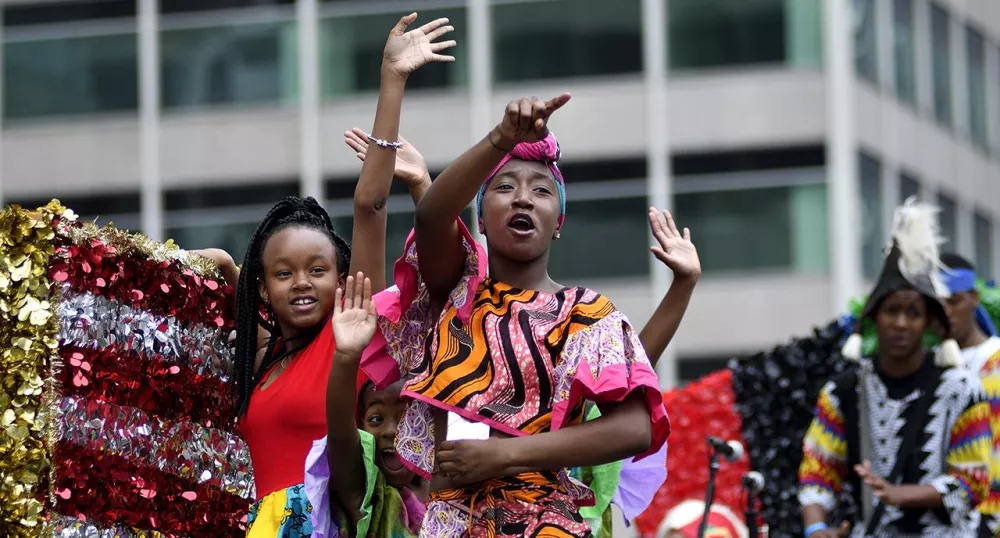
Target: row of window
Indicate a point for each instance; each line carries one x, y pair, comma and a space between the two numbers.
55, 68
874, 237
939, 30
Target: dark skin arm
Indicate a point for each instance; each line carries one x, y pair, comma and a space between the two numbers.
814, 513
623, 428
405, 52
439, 247
678, 253
354, 322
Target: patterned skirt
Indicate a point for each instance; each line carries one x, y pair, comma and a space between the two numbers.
528, 504
281, 514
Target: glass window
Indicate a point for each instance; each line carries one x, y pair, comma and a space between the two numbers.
941, 64
351, 53
251, 63
902, 48
566, 38
865, 44
28, 14
120, 208
976, 81
949, 221
69, 76
773, 228
233, 237
602, 238
872, 238
184, 6
908, 186
984, 246
713, 33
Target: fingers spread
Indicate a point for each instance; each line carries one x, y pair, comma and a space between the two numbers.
433, 26
338, 299
404, 23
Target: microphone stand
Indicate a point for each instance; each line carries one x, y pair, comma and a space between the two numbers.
751, 514
713, 468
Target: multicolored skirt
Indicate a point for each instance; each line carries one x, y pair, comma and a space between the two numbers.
528, 504
281, 514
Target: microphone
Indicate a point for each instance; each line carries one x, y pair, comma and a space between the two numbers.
753, 482
731, 450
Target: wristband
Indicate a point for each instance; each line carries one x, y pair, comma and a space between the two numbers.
815, 527
385, 143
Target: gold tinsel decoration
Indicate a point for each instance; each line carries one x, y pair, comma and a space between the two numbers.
28, 344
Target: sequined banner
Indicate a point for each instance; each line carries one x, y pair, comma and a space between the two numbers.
185, 449
88, 320
62, 526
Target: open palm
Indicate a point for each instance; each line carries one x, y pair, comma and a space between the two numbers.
410, 167
354, 317
405, 52
676, 251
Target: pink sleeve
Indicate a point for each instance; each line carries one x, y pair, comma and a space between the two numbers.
404, 314
603, 363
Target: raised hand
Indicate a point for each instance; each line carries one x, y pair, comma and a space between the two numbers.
887, 493
676, 251
354, 317
405, 52
527, 120
410, 166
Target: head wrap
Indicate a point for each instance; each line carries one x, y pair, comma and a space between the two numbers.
685, 518
545, 151
961, 281
912, 264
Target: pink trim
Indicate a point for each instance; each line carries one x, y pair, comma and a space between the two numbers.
615, 383
465, 413
416, 470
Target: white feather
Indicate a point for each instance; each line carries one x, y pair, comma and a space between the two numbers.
918, 237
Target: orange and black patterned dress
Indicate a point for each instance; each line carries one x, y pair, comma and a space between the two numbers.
522, 362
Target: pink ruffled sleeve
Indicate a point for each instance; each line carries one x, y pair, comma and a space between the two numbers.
404, 313
603, 363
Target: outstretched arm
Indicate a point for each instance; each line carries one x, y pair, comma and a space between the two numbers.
623, 428
411, 169
439, 247
354, 322
405, 52
677, 252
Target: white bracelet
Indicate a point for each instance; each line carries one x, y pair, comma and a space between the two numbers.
385, 143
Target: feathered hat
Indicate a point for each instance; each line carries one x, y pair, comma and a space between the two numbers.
912, 263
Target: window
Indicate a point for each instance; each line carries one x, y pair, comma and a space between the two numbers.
186, 6
120, 208
694, 368
941, 64
70, 76
908, 186
976, 81
949, 222
566, 38
602, 238
902, 48
351, 53
29, 14
984, 246
872, 239
233, 237
865, 44
714, 33
245, 64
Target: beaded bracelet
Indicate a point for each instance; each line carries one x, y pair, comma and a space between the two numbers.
385, 143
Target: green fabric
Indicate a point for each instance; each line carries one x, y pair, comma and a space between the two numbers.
603, 480
382, 508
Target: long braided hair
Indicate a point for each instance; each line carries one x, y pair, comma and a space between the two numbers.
291, 212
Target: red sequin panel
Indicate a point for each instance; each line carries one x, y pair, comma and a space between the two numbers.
704, 408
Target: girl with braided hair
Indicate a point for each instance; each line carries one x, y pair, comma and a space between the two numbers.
286, 294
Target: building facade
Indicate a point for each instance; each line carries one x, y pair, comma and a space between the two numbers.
782, 132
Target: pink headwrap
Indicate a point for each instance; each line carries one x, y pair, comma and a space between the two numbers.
545, 151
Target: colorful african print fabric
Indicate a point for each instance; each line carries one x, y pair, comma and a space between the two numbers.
387, 512
985, 359
522, 362
282, 514
952, 453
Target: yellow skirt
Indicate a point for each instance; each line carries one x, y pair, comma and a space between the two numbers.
282, 514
